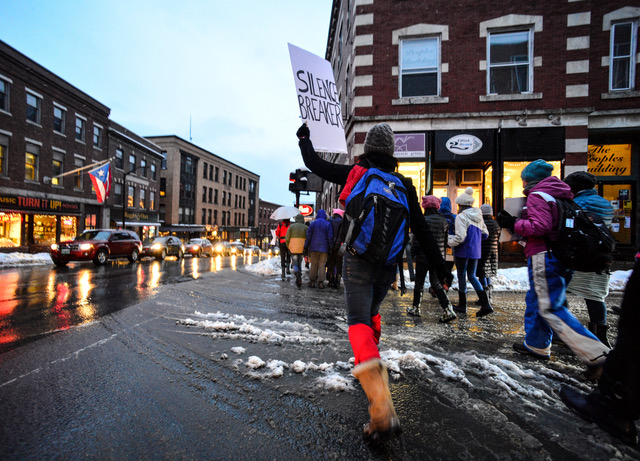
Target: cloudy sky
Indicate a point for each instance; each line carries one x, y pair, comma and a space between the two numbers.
159, 64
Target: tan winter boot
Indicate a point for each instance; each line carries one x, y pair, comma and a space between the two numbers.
374, 379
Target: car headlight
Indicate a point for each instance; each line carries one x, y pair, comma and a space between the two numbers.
54, 247
85, 246
156, 246
196, 247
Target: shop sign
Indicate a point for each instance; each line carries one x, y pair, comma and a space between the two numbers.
410, 145
140, 216
19, 202
306, 210
463, 144
609, 159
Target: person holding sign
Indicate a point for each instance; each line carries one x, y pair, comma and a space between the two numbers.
366, 284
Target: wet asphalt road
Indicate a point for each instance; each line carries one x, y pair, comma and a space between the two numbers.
39, 300
147, 383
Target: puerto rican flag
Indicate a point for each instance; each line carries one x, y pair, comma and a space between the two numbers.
101, 179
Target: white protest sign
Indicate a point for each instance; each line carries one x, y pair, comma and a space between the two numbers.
318, 100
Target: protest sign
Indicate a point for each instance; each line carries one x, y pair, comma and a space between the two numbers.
318, 100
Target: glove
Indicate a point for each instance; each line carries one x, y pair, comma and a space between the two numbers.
303, 131
445, 277
505, 220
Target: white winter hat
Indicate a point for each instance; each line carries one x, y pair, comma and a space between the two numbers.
466, 198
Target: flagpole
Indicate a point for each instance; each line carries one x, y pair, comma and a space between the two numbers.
93, 165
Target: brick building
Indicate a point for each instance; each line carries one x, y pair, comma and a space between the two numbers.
202, 194
47, 127
137, 160
265, 224
474, 90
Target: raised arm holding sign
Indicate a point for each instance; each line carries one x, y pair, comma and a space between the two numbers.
318, 100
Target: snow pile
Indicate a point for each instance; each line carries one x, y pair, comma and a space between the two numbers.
227, 326
24, 259
512, 279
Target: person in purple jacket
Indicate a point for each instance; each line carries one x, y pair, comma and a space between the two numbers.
467, 250
318, 243
546, 310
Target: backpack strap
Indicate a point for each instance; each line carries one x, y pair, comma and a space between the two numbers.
545, 196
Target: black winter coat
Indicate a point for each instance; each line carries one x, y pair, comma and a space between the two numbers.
488, 264
338, 174
439, 227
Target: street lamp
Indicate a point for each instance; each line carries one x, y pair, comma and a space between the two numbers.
125, 194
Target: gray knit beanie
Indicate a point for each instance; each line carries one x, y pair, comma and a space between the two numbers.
380, 139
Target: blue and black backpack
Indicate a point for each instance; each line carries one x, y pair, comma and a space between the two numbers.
377, 217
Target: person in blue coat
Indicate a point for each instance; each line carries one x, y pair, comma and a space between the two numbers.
593, 287
319, 242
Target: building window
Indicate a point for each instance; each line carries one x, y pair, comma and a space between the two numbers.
79, 163
210, 195
209, 217
419, 67
204, 216
143, 167
119, 158
31, 162
117, 193
132, 163
59, 119
163, 164
204, 193
34, 107
163, 187
4, 152
510, 62
131, 191
215, 217
152, 200
153, 171
623, 52
97, 136
4, 95
80, 124
211, 172
216, 175
56, 168
230, 179
141, 199
215, 197
224, 177
204, 172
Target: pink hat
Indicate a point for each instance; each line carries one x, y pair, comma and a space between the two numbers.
431, 201
338, 211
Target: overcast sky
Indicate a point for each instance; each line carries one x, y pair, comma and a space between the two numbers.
158, 63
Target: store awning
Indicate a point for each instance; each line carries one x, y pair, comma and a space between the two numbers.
138, 224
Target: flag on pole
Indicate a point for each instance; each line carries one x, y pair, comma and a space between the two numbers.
101, 179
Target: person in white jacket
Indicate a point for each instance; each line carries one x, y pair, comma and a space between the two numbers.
467, 250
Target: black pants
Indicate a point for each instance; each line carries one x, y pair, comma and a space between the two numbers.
621, 374
285, 256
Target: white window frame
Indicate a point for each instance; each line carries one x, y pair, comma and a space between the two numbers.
4, 159
35, 152
7, 86
38, 97
78, 184
631, 57
530, 58
57, 156
63, 118
428, 70
82, 127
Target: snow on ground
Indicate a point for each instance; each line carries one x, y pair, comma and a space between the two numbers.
24, 259
512, 279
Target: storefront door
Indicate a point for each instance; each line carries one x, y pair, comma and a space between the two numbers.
619, 195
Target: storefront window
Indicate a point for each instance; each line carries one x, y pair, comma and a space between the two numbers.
44, 229
620, 197
417, 172
68, 228
10, 226
488, 186
513, 183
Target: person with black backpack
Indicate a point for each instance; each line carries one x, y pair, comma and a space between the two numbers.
370, 260
592, 286
547, 313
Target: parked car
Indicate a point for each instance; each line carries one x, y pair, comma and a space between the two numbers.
237, 248
98, 245
274, 250
198, 247
161, 247
222, 248
252, 250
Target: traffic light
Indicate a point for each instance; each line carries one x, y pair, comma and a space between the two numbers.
294, 184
